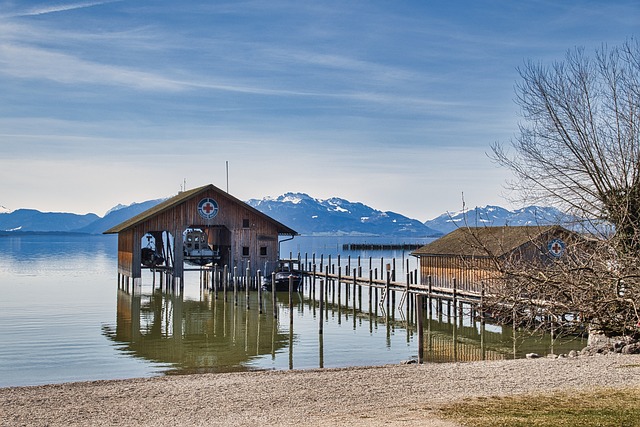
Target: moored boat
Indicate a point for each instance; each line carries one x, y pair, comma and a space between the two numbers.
150, 255
196, 248
285, 269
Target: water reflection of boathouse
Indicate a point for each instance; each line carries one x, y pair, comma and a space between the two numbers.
193, 335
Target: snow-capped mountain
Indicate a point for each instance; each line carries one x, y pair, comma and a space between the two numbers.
335, 216
488, 216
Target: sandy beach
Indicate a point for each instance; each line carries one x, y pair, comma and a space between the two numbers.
398, 395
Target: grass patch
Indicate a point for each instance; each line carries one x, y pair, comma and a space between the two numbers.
598, 408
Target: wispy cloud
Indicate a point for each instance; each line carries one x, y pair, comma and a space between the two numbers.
35, 63
45, 9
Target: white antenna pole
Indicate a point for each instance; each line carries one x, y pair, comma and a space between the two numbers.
227, 162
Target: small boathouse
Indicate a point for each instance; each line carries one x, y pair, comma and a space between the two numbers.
239, 235
470, 256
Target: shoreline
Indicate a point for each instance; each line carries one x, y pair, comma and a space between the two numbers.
391, 395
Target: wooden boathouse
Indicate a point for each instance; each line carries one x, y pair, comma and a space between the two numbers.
470, 256
243, 236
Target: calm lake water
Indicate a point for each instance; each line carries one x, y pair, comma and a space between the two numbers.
63, 318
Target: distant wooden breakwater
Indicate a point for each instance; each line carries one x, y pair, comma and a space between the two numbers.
381, 247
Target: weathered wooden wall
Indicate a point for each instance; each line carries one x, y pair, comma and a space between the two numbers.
469, 273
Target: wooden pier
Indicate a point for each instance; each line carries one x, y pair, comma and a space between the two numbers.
388, 295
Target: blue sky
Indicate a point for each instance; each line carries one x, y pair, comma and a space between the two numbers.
391, 103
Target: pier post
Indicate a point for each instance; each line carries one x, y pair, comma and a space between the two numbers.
273, 295
313, 282
247, 278
420, 321
291, 300
408, 299
235, 285
320, 316
386, 288
429, 298
339, 280
370, 287
215, 281
225, 282
393, 270
259, 285
455, 300
355, 284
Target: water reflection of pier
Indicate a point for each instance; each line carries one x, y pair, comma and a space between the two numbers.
214, 334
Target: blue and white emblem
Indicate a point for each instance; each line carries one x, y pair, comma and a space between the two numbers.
556, 248
208, 208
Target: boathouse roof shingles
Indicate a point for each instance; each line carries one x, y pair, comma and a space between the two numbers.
486, 241
186, 195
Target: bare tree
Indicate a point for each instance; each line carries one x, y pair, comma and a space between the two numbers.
578, 148
566, 293
579, 144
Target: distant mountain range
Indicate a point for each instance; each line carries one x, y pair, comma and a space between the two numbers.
117, 215
306, 215
496, 216
36, 221
336, 216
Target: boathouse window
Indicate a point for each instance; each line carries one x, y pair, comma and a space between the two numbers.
263, 251
245, 223
245, 251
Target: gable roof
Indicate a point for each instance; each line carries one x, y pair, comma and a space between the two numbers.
486, 241
186, 195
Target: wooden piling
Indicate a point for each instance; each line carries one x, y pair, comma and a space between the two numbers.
420, 323
339, 280
215, 281
225, 282
259, 284
291, 300
313, 280
273, 295
321, 308
247, 277
235, 285
429, 297
355, 285
455, 300
481, 305
386, 290
370, 286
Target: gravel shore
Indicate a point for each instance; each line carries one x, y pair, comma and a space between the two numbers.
398, 395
